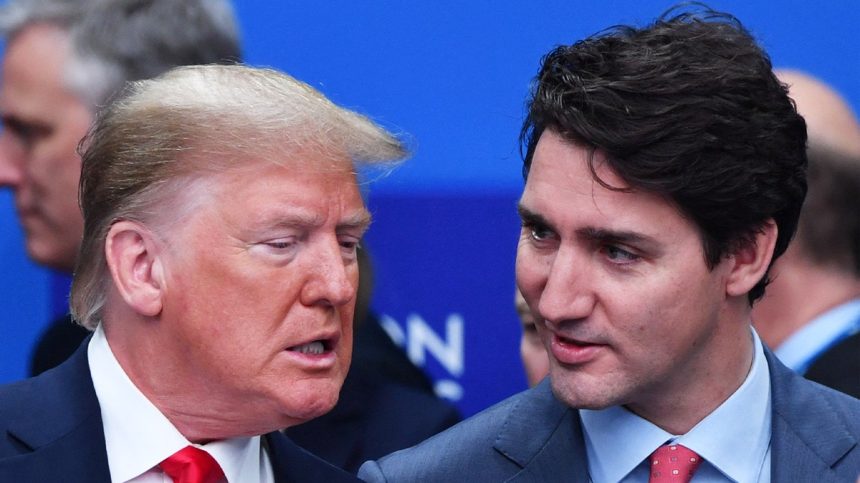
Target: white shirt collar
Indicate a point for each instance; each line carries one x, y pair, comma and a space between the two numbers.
802, 347
138, 436
734, 439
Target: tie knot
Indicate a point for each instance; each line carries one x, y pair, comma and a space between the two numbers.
673, 463
192, 465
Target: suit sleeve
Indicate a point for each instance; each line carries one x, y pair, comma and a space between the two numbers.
371, 472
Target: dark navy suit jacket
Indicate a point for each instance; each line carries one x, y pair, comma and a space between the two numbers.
533, 437
51, 430
839, 367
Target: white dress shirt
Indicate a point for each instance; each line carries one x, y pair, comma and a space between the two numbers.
733, 441
801, 349
138, 437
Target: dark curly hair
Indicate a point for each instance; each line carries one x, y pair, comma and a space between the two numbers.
689, 108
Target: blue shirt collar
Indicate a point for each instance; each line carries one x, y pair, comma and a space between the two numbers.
804, 346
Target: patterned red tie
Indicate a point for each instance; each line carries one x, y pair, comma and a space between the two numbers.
192, 465
673, 463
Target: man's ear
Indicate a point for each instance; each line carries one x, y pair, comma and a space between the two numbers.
751, 260
135, 265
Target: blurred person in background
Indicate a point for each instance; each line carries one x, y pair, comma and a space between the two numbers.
532, 351
811, 313
63, 60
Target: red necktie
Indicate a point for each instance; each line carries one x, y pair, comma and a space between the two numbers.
673, 463
192, 465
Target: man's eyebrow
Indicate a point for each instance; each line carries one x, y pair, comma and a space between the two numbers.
357, 221
618, 236
531, 218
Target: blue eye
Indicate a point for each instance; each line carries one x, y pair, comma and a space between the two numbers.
620, 255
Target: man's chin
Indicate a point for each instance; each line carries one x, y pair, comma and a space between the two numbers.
582, 396
315, 404
47, 255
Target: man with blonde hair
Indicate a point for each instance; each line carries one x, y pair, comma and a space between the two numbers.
218, 270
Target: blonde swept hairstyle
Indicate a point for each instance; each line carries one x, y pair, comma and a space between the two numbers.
189, 121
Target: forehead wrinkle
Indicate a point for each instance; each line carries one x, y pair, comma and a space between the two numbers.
291, 218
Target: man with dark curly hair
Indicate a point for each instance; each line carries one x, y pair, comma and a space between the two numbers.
665, 171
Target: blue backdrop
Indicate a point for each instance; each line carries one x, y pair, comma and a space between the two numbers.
454, 76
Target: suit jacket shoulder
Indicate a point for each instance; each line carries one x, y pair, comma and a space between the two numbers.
56, 344
52, 427
528, 437
815, 433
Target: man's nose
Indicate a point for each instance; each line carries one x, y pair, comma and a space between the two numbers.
328, 282
11, 163
568, 293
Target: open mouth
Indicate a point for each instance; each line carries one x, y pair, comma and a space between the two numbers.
573, 342
573, 351
316, 347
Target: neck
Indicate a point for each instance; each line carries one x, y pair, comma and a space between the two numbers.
152, 367
711, 375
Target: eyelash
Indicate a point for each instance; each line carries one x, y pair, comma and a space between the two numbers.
628, 256
538, 233
280, 245
351, 246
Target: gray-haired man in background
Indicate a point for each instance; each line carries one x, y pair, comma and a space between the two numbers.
63, 59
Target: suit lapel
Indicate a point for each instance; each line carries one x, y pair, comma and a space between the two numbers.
75, 457
807, 435
62, 438
544, 437
291, 463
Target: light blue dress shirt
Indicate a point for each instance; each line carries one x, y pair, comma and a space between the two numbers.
733, 441
800, 350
